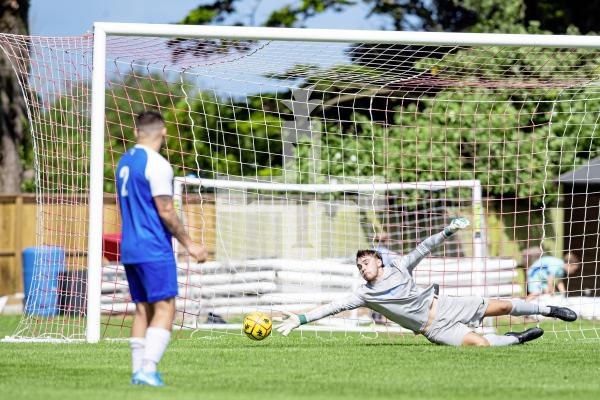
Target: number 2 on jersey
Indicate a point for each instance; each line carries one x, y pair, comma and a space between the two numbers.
124, 175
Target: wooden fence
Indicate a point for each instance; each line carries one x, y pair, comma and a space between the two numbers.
63, 221
17, 231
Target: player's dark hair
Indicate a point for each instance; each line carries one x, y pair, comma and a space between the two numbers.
148, 122
571, 258
362, 253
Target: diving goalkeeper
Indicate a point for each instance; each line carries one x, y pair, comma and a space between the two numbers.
391, 290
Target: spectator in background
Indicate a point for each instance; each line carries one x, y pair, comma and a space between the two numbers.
546, 274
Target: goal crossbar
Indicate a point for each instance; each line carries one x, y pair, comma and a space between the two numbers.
346, 36
330, 187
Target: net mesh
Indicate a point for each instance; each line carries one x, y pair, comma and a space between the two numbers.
520, 121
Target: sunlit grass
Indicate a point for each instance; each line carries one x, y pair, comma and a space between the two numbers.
304, 367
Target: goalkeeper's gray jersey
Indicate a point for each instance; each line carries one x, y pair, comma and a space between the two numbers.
395, 294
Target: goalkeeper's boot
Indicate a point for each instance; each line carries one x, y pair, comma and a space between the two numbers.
564, 313
528, 335
147, 378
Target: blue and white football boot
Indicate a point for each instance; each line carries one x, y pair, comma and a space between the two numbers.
147, 379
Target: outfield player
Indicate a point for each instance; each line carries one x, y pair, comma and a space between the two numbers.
391, 291
149, 220
545, 275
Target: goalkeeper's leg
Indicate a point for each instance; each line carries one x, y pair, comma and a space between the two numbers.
508, 339
517, 307
458, 334
473, 339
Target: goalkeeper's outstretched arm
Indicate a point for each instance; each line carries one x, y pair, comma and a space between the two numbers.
293, 321
412, 259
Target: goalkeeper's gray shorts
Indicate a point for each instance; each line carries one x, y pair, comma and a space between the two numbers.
455, 316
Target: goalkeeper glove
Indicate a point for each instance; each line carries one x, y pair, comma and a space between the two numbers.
455, 225
291, 322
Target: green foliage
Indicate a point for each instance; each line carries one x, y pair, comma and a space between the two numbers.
200, 16
513, 144
290, 15
515, 139
506, 16
562, 16
208, 135
495, 16
500, 240
27, 159
284, 17
214, 12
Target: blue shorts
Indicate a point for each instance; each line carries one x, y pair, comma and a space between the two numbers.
153, 281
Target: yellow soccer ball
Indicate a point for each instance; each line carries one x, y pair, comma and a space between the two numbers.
257, 325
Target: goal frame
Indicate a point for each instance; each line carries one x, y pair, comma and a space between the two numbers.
103, 29
474, 185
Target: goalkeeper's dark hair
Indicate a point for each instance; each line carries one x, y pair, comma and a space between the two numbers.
149, 123
362, 253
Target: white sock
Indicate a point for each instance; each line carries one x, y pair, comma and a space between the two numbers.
157, 340
544, 310
137, 352
501, 340
521, 307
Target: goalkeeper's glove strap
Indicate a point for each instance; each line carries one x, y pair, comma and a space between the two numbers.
448, 232
302, 319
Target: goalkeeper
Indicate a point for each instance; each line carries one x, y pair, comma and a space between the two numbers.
391, 291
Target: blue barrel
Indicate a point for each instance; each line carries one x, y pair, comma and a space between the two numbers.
41, 267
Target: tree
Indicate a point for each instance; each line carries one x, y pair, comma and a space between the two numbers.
198, 140
485, 112
13, 120
556, 16
399, 15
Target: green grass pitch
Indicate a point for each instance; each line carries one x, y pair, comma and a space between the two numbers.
234, 367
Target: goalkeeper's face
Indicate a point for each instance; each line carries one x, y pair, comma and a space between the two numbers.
369, 266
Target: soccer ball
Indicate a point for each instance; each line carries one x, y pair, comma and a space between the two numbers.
257, 325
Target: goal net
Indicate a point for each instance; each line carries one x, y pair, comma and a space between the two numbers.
295, 148
291, 247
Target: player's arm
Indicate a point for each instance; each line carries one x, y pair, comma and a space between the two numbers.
561, 286
551, 284
159, 174
168, 216
293, 321
424, 248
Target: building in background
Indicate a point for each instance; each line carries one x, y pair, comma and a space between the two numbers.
581, 202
